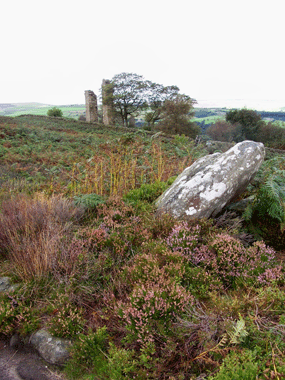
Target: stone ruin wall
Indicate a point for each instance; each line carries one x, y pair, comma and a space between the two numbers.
91, 107
108, 112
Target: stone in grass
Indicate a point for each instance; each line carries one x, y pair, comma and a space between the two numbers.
5, 284
53, 350
212, 182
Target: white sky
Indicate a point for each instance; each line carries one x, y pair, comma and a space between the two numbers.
51, 51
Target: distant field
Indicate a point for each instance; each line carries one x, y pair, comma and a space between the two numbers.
16, 109
209, 119
203, 116
206, 116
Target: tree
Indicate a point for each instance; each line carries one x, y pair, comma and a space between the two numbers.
273, 135
128, 95
158, 94
249, 124
176, 114
221, 131
55, 112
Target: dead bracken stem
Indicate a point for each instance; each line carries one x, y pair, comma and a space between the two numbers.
117, 172
218, 348
274, 365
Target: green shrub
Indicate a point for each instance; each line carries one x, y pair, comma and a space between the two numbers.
67, 320
17, 316
269, 199
55, 112
266, 210
88, 354
157, 296
147, 192
225, 257
272, 135
120, 363
89, 201
8, 315
221, 131
200, 282
183, 238
238, 366
249, 122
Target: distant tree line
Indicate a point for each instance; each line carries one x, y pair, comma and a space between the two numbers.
272, 115
247, 124
205, 112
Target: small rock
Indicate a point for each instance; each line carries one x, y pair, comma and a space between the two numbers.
15, 341
53, 350
4, 284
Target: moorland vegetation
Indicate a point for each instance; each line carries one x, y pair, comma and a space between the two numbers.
141, 296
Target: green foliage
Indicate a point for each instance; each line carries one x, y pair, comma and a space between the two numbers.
89, 201
224, 257
269, 193
157, 296
248, 124
119, 364
200, 281
271, 198
221, 131
272, 135
55, 112
239, 332
88, 353
176, 299
67, 320
238, 366
175, 117
148, 192
127, 94
17, 316
158, 95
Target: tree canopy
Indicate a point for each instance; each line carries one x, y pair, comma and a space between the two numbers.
55, 112
158, 94
130, 95
176, 114
249, 123
127, 92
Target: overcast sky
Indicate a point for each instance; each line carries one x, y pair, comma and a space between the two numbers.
51, 51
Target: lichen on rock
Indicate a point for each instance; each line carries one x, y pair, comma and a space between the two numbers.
212, 182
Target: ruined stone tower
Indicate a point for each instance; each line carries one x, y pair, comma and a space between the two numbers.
91, 106
108, 109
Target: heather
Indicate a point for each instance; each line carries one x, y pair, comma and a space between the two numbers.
141, 296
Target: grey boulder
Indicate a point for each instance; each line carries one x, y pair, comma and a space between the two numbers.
6, 286
53, 350
212, 182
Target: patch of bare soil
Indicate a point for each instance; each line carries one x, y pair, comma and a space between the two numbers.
23, 363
